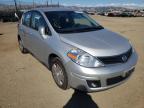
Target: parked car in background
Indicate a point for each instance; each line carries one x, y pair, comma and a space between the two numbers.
80, 53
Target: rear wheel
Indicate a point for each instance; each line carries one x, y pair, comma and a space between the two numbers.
59, 73
21, 47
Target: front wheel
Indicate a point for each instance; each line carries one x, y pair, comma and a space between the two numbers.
59, 73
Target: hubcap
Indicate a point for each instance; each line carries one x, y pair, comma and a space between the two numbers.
58, 74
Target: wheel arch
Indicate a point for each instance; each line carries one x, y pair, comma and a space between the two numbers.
53, 55
50, 57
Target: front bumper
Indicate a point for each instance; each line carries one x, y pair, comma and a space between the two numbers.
103, 77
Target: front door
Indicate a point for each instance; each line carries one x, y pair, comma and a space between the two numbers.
38, 43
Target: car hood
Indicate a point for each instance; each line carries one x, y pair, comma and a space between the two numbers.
98, 43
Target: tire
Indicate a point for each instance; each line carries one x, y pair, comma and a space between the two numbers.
59, 73
21, 47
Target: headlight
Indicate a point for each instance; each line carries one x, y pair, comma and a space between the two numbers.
84, 59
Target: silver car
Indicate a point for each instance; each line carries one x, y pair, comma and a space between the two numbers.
80, 53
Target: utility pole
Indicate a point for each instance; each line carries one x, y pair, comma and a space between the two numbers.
19, 4
51, 2
47, 3
58, 4
33, 4
16, 5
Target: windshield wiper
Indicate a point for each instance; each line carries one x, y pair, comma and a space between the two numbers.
86, 29
91, 28
68, 31
95, 28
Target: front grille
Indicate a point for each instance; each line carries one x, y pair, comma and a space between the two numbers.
116, 59
118, 79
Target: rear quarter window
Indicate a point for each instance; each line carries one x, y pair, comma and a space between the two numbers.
26, 19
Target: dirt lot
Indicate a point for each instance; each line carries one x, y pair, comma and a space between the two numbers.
26, 83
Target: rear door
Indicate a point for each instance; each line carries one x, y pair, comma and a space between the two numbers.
24, 29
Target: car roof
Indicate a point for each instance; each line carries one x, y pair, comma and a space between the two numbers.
48, 9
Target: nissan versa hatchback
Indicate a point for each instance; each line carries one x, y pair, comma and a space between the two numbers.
80, 53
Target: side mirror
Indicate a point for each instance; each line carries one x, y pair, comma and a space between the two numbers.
42, 32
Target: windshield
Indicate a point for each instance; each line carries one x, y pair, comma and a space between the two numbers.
71, 22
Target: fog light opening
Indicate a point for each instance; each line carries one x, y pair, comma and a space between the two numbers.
94, 84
